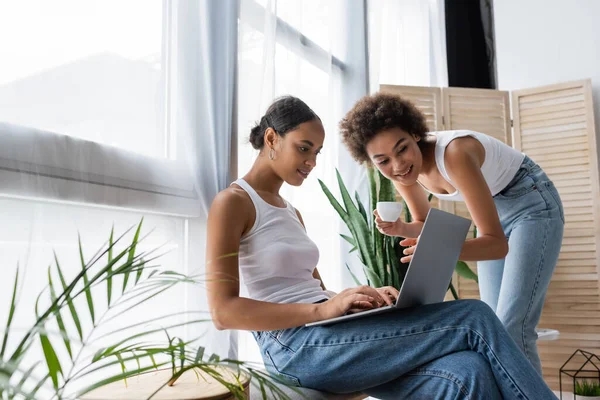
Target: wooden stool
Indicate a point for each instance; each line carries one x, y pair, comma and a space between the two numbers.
188, 387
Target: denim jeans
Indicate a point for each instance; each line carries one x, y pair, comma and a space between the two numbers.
532, 217
452, 350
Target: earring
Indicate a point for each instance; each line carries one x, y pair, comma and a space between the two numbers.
272, 154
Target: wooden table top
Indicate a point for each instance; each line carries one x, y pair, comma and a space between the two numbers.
188, 387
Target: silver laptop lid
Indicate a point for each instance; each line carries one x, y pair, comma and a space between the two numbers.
434, 260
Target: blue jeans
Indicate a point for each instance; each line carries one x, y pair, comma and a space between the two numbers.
532, 217
452, 350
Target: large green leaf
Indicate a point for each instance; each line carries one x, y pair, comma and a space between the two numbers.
348, 239
344, 215
356, 281
387, 192
462, 269
336, 205
361, 207
373, 200
393, 262
361, 233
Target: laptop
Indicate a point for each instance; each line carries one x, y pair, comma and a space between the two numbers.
430, 270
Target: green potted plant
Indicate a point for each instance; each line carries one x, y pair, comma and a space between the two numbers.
588, 390
379, 254
81, 356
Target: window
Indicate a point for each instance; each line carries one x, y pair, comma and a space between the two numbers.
79, 69
85, 102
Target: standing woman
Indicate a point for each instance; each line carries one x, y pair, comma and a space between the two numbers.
513, 203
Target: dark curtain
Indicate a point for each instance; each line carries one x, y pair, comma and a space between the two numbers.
470, 44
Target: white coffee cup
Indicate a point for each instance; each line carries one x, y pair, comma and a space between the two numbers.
389, 211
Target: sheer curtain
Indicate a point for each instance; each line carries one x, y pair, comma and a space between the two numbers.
303, 48
101, 125
407, 43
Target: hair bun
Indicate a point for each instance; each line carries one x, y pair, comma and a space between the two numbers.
257, 138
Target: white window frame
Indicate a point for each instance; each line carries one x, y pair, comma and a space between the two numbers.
43, 165
291, 38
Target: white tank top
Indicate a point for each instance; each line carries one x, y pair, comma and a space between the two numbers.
501, 161
276, 257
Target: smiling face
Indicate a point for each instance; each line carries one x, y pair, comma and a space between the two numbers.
397, 155
296, 152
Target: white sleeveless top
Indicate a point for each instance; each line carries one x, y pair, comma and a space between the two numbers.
276, 257
501, 161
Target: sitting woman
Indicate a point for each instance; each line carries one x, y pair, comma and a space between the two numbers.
515, 206
451, 350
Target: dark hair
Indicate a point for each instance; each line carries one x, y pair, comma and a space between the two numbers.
373, 114
284, 115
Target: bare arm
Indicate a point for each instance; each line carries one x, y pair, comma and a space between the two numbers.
416, 199
227, 221
463, 163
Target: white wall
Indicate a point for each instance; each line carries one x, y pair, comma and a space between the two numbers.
541, 42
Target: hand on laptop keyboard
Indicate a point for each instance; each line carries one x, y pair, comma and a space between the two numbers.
355, 299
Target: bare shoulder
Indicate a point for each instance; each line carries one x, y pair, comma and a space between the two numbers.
464, 150
233, 197
233, 206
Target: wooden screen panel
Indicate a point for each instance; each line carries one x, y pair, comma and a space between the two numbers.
554, 125
426, 99
481, 110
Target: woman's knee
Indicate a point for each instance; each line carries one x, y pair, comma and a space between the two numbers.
479, 308
468, 371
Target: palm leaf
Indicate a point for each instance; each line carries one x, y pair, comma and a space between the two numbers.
115, 378
109, 269
52, 362
140, 271
153, 321
37, 387
86, 283
11, 313
132, 252
59, 319
26, 376
68, 299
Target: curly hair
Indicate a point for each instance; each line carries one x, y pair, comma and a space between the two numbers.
376, 113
